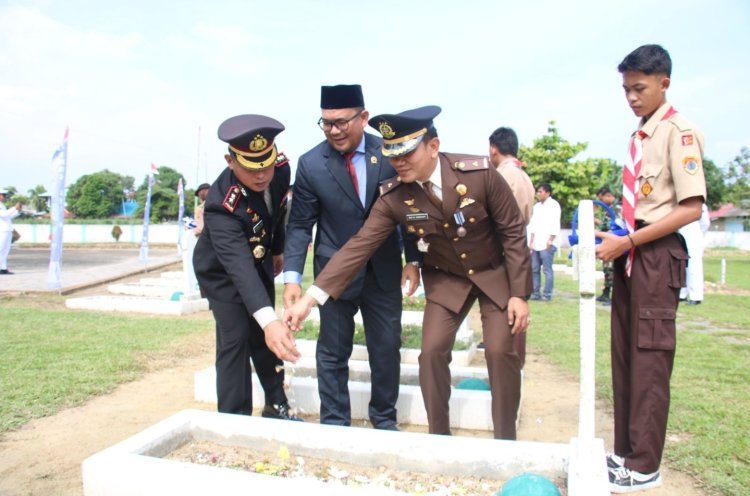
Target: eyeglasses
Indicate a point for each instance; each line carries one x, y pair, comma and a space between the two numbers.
340, 124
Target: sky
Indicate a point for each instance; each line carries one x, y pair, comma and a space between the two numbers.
146, 81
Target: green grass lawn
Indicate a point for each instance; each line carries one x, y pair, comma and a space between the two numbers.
52, 358
710, 408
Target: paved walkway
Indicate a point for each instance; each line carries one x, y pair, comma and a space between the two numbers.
81, 267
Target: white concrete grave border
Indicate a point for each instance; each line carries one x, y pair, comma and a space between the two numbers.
133, 466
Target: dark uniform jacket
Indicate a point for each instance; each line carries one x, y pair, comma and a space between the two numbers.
477, 239
233, 259
324, 193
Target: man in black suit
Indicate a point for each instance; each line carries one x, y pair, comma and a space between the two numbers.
335, 187
236, 258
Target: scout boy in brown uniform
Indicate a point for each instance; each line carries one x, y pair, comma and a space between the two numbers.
473, 240
663, 189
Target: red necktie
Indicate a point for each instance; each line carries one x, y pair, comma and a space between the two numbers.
630, 185
352, 172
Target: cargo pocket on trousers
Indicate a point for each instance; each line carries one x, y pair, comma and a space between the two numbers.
656, 328
678, 260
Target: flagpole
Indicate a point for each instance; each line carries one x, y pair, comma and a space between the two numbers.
60, 164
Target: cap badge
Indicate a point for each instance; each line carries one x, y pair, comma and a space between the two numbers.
461, 189
258, 143
386, 130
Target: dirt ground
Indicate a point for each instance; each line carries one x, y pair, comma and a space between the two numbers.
44, 457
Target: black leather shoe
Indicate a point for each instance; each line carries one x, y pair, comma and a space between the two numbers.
281, 412
693, 302
391, 427
5, 272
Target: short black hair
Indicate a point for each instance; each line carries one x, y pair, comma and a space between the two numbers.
603, 191
545, 186
648, 59
505, 140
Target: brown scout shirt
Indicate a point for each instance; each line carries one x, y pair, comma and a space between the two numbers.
521, 185
672, 167
477, 239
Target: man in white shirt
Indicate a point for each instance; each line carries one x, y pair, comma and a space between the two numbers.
695, 234
6, 230
544, 231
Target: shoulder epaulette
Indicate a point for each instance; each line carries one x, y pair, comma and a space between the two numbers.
233, 196
682, 124
389, 185
468, 163
280, 160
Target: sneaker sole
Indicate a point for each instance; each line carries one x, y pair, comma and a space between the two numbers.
614, 488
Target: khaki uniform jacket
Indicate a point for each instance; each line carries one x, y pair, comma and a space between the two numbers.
478, 203
672, 168
521, 185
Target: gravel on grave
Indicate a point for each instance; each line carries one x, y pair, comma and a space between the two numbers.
287, 464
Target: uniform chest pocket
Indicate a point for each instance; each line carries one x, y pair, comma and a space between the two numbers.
422, 228
474, 213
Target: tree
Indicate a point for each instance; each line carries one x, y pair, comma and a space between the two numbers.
97, 195
738, 178
164, 200
716, 189
38, 198
550, 160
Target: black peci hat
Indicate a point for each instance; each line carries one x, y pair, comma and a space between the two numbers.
251, 139
403, 132
201, 188
341, 96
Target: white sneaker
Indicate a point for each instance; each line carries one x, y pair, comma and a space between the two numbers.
624, 480
614, 461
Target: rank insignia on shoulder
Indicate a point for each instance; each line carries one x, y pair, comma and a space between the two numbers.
388, 186
230, 201
687, 139
280, 160
690, 164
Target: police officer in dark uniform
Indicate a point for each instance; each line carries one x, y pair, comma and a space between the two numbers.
236, 259
473, 240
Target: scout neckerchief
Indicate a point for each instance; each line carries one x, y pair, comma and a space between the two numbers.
631, 185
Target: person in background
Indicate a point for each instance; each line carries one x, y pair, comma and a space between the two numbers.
201, 193
503, 156
6, 230
604, 223
461, 209
695, 239
236, 259
663, 189
335, 187
543, 241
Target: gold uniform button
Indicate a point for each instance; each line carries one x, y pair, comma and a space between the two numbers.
472, 220
463, 256
455, 239
471, 272
421, 231
446, 225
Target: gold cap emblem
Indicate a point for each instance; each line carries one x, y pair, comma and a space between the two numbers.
386, 130
461, 189
258, 143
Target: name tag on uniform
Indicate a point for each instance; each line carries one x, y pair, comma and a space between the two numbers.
419, 216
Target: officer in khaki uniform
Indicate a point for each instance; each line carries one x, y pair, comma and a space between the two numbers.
668, 188
236, 258
473, 241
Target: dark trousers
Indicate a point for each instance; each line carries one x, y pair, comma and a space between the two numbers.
503, 365
644, 308
239, 338
381, 315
